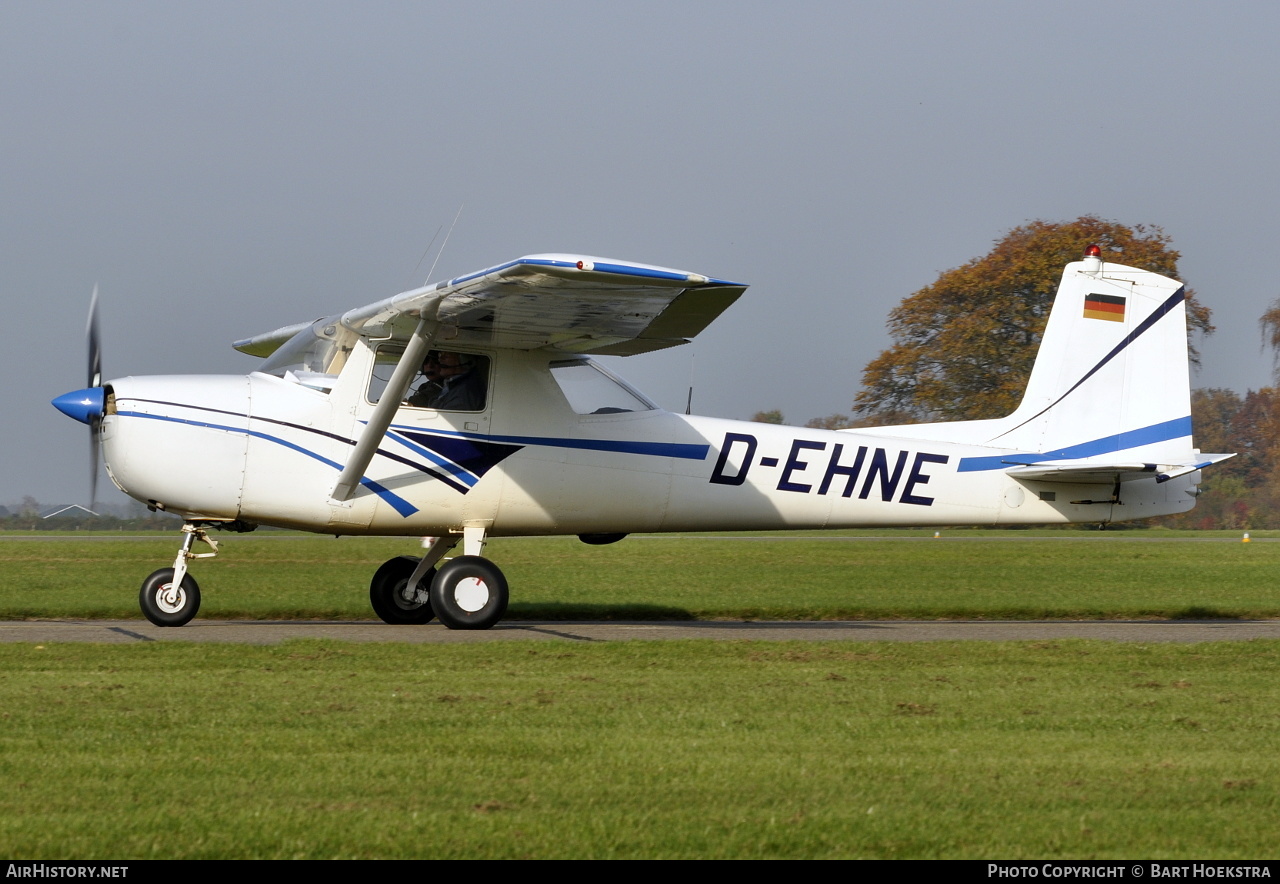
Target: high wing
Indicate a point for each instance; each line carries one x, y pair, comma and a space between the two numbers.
572, 303
1093, 472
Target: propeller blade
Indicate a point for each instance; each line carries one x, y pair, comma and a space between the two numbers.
95, 345
93, 464
95, 380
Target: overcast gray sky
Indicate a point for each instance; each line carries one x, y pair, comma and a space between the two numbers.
224, 168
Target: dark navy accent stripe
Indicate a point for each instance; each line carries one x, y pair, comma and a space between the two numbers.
422, 468
1172, 301
462, 475
474, 457
399, 504
1163, 432
680, 450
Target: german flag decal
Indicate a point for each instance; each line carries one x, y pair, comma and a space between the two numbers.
1109, 307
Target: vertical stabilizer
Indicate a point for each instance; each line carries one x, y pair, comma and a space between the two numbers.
1111, 376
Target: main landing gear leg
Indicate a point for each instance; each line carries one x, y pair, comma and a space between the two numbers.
469, 592
171, 596
400, 590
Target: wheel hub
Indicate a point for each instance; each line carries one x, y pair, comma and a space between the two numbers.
411, 599
170, 598
471, 594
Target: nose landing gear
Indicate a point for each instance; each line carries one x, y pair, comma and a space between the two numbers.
171, 596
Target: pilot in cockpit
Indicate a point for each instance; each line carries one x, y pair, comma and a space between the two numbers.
429, 389
451, 382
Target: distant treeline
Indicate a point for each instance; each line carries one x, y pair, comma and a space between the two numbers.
1243, 492
85, 522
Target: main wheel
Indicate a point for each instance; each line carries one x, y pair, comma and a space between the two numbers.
387, 593
165, 604
469, 592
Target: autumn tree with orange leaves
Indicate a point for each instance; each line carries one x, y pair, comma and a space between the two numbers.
963, 347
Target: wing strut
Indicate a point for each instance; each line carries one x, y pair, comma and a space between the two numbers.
385, 411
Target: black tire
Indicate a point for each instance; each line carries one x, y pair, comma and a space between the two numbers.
469, 592
386, 593
600, 539
162, 605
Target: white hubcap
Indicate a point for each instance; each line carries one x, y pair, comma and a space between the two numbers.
471, 594
171, 599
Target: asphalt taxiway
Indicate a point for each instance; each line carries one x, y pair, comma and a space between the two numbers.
268, 632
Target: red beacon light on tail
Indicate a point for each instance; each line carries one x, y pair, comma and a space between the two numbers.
1093, 258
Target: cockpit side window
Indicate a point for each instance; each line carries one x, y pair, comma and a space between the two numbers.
592, 389
447, 380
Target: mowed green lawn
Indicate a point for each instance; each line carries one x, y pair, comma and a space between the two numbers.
996, 575
652, 749
640, 749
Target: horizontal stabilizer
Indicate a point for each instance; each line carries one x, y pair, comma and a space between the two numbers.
1092, 472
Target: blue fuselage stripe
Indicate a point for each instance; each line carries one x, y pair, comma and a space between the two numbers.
680, 450
399, 504
1162, 432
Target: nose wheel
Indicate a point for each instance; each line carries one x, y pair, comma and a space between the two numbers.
169, 602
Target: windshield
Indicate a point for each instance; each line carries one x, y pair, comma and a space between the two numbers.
313, 356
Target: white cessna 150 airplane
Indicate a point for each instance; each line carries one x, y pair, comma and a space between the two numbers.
471, 408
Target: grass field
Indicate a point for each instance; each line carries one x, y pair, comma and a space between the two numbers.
652, 749
640, 749
858, 575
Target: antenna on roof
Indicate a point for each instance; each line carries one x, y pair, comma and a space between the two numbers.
688, 404
426, 250
443, 244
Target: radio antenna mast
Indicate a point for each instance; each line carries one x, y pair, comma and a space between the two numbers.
445, 243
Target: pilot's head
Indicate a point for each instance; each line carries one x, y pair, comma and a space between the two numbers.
454, 364
431, 365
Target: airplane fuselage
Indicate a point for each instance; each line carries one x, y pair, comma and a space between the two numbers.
269, 450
